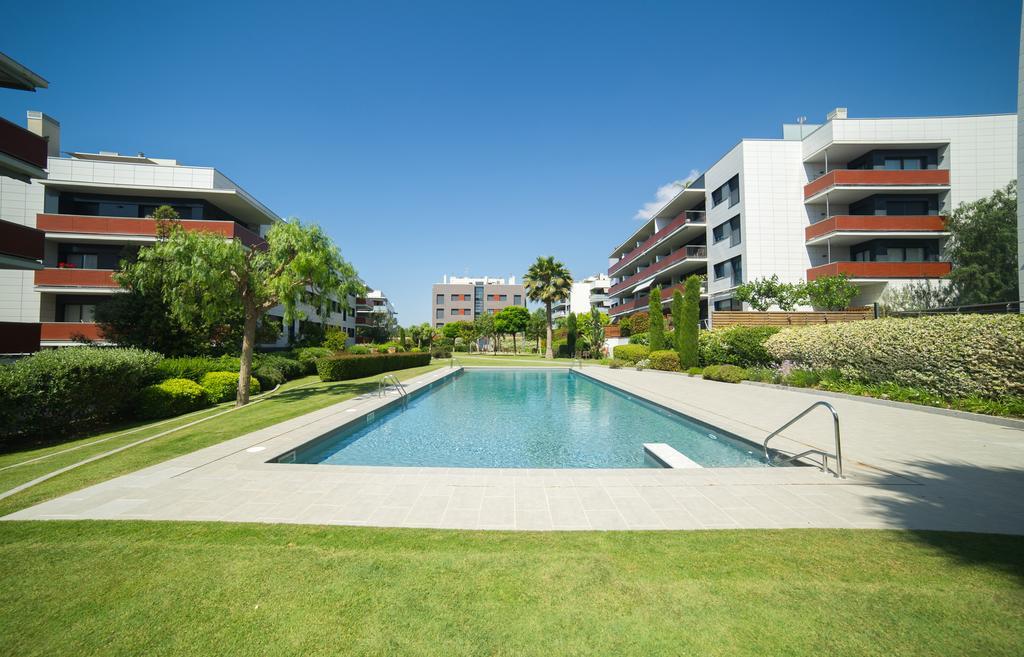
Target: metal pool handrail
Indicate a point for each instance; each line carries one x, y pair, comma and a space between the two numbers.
825, 456
391, 381
452, 360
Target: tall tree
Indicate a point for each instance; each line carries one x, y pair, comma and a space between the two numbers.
656, 332
512, 319
677, 323
983, 248
598, 320
486, 328
206, 276
535, 327
547, 281
688, 351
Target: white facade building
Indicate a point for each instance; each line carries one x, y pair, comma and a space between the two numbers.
591, 292
861, 197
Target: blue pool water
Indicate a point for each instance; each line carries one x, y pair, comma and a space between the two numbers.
524, 419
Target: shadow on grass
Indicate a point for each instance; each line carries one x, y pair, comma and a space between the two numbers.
339, 388
964, 498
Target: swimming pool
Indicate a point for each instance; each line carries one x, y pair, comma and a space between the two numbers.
536, 418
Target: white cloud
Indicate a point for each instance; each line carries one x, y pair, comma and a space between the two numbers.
665, 194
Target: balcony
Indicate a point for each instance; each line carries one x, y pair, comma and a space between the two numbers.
132, 227
21, 247
687, 218
861, 224
22, 153
881, 270
76, 278
19, 338
69, 332
685, 253
630, 307
914, 179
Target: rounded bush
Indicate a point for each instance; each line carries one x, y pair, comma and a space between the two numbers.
357, 349
640, 338
743, 346
223, 386
665, 359
630, 353
289, 367
695, 371
725, 373
269, 376
615, 363
950, 356
171, 397
308, 355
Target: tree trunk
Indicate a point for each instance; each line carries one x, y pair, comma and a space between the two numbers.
549, 352
245, 370
515, 349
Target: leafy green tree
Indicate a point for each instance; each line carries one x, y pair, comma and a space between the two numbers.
206, 276
570, 333
535, 327
486, 328
983, 248
167, 219
625, 327
512, 319
656, 331
416, 333
451, 330
831, 292
598, 320
762, 293
688, 339
547, 281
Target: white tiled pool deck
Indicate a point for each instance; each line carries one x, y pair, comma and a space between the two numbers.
906, 468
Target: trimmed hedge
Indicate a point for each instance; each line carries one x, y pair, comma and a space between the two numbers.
289, 367
195, 368
172, 397
946, 355
664, 359
725, 373
59, 392
630, 353
743, 346
223, 386
342, 367
308, 355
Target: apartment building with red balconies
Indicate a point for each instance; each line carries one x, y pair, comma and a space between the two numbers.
866, 198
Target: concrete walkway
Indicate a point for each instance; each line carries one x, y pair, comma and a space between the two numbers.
906, 468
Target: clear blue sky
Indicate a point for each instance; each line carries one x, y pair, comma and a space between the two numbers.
436, 137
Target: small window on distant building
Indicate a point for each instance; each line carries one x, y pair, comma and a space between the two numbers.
439, 313
517, 299
440, 300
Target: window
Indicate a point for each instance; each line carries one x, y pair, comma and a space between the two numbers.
732, 268
517, 299
440, 300
895, 160
503, 297
728, 304
896, 251
439, 313
729, 230
79, 312
730, 192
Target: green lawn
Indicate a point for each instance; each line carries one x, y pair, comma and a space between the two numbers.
135, 588
294, 399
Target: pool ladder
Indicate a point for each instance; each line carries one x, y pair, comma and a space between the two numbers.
453, 360
825, 456
391, 381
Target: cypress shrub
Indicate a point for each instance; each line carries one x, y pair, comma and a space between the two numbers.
342, 367
688, 340
677, 323
570, 335
656, 332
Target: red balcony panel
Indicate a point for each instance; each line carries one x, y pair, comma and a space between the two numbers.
682, 254
68, 223
21, 241
881, 270
19, 337
69, 331
681, 220
22, 144
76, 277
872, 223
641, 304
870, 177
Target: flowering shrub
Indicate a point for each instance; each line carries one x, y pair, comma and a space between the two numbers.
737, 345
946, 355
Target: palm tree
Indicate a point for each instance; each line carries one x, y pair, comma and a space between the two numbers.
547, 281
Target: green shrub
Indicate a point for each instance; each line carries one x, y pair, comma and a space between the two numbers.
640, 322
743, 346
58, 392
289, 367
695, 371
223, 386
951, 356
308, 355
268, 375
615, 363
762, 375
640, 338
358, 349
342, 367
335, 340
725, 373
802, 379
630, 353
415, 350
388, 346
562, 350
665, 359
642, 364
171, 397
437, 352
189, 368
